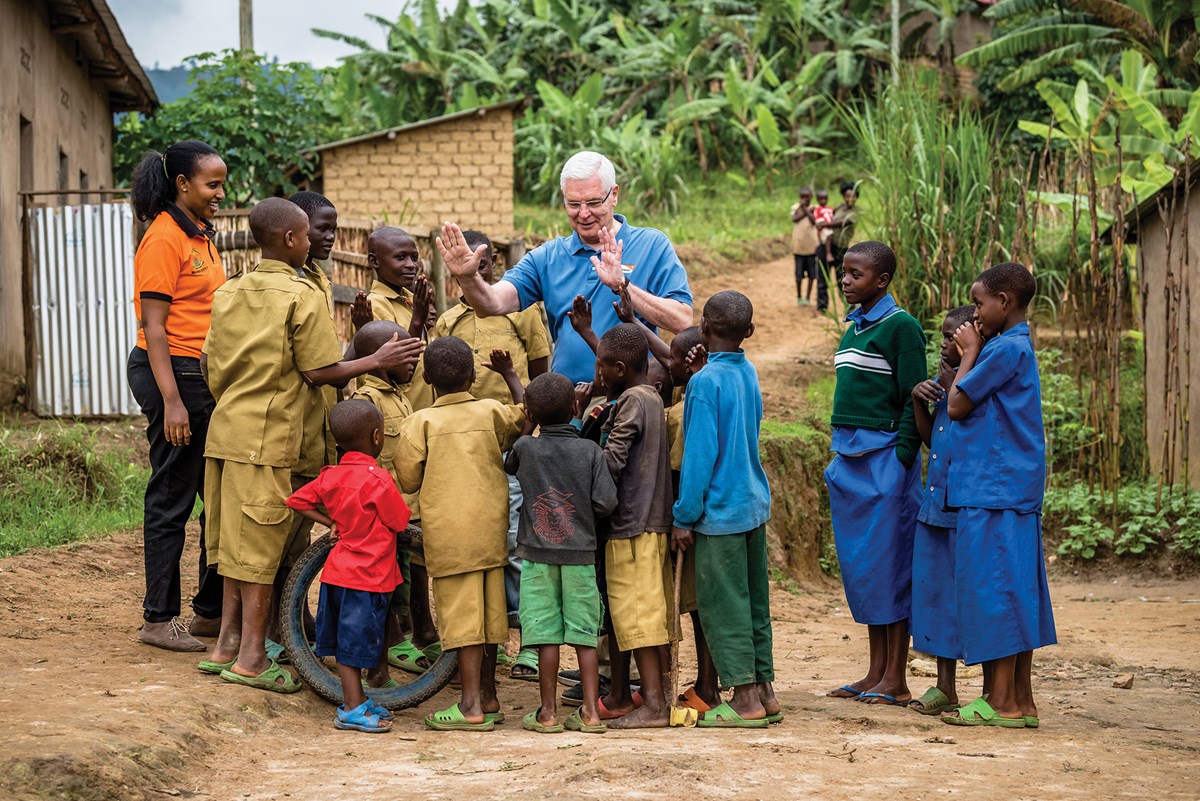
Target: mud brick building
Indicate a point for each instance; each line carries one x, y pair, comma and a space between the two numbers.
66, 68
455, 167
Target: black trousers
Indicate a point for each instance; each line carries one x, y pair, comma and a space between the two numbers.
176, 479
824, 267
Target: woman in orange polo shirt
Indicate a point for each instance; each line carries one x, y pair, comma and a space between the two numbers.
176, 271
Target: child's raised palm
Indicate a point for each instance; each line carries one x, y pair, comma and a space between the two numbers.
696, 359
580, 314
624, 308
500, 361
360, 310
424, 309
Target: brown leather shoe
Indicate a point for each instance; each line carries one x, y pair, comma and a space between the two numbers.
171, 635
201, 626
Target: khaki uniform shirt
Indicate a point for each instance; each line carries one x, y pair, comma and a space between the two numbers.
675, 434
268, 327
317, 447
451, 453
397, 306
522, 334
805, 235
395, 408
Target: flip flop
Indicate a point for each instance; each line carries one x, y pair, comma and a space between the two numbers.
776, 718
980, 713
362, 718
214, 668
1032, 722
432, 651
725, 717
407, 656
575, 722
531, 723
891, 700
502, 658
494, 717
452, 720
387, 685
527, 658
267, 680
691, 700
847, 688
933, 702
276, 652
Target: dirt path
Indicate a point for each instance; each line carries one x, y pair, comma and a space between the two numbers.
88, 713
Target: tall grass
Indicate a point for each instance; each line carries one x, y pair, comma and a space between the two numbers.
946, 197
57, 486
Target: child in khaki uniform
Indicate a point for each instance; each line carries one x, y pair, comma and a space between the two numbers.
523, 335
382, 389
270, 336
451, 453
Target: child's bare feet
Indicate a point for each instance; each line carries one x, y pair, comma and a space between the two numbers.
766, 696
647, 716
853, 690
887, 693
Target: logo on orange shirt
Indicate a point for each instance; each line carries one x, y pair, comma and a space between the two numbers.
198, 263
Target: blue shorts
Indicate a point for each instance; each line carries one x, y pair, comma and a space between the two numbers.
873, 500
351, 625
1000, 584
934, 621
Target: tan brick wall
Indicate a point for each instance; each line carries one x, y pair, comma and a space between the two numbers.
461, 170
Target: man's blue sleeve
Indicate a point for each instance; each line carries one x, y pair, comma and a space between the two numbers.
526, 276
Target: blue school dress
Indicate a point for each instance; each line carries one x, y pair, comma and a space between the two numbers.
997, 481
873, 500
934, 621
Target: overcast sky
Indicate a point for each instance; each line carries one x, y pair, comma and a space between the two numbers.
163, 32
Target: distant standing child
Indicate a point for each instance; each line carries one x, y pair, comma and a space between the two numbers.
364, 512
451, 452
636, 554
723, 507
874, 479
567, 485
997, 481
934, 620
805, 240
823, 214
523, 335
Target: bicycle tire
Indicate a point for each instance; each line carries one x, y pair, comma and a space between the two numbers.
313, 672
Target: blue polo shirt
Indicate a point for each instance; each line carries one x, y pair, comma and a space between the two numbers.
857, 441
562, 268
1000, 447
933, 509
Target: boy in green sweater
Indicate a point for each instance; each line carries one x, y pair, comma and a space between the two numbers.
874, 479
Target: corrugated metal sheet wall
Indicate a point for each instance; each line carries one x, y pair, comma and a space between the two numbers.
83, 290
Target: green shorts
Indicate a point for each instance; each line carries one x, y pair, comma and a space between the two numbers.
560, 604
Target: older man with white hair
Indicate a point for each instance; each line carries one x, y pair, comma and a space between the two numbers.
604, 253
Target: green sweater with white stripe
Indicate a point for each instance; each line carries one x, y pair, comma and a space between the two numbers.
877, 369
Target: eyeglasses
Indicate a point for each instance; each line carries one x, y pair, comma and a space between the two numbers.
592, 205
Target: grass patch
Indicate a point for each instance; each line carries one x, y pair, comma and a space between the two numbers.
57, 486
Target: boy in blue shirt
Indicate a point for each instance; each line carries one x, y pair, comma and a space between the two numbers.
874, 479
934, 620
723, 505
997, 481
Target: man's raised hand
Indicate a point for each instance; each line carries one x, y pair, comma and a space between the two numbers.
608, 263
460, 260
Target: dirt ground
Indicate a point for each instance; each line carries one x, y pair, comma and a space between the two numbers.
88, 713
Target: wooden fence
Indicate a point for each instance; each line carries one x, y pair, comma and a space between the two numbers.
347, 266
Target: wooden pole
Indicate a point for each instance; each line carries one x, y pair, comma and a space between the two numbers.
895, 42
30, 323
246, 25
437, 275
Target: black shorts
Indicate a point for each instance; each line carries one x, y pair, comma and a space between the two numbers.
806, 266
351, 625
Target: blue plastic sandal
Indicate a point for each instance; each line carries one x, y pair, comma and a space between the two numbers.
362, 718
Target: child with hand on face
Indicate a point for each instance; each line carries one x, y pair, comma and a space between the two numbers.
997, 482
364, 513
934, 621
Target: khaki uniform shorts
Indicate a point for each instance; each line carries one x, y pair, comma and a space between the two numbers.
687, 586
471, 609
639, 583
248, 523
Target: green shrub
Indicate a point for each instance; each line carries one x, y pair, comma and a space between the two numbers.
57, 486
1146, 521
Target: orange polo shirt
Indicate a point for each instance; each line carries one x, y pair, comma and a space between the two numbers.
177, 262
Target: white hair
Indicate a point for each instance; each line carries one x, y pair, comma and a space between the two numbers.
588, 164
